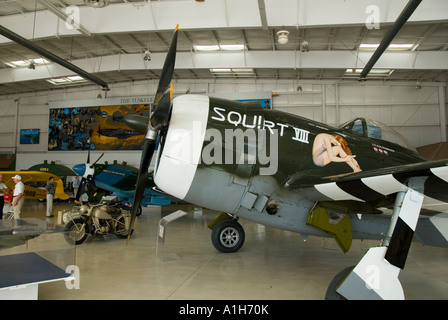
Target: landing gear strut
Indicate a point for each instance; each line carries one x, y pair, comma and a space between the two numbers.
376, 275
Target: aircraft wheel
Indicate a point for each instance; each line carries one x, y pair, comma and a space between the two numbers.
139, 211
228, 236
129, 208
331, 291
78, 230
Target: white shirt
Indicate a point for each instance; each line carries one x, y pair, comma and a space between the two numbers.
19, 188
85, 197
2, 186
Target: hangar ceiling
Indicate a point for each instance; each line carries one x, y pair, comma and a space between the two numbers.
111, 42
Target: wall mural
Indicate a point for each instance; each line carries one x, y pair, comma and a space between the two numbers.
72, 128
80, 124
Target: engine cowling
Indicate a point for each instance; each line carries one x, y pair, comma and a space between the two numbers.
194, 166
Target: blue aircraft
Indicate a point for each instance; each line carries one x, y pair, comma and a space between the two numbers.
120, 180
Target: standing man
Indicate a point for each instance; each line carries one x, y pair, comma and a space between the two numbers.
3, 190
18, 196
76, 183
49, 189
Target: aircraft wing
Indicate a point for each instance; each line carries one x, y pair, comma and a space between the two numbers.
365, 192
30, 179
374, 184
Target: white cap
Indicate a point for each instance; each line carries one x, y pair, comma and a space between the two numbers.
17, 177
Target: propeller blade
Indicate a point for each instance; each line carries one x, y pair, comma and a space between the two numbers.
168, 68
147, 152
158, 119
92, 185
162, 101
81, 189
97, 159
162, 112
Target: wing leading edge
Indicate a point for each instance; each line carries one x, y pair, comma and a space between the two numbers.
378, 187
374, 184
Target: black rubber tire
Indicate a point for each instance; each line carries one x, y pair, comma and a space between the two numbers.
121, 227
228, 236
72, 235
332, 294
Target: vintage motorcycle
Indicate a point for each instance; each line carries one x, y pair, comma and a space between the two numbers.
108, 216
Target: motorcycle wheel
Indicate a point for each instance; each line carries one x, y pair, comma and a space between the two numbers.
78, 230
120, 229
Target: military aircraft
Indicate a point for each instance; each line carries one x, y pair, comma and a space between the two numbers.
117, 133
120, 180
53, 168
296, 174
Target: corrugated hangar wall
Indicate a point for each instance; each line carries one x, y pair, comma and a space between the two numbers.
417, 112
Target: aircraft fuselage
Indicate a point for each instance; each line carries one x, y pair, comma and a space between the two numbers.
262, 163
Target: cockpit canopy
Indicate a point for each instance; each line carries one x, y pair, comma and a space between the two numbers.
377, 130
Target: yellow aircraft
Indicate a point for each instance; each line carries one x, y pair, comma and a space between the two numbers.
31, 179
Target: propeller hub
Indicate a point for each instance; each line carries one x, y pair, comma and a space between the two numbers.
80, 169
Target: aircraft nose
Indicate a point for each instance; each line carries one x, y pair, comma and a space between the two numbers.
80, 169
182, 151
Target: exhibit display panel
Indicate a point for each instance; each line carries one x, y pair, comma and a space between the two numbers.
32, 252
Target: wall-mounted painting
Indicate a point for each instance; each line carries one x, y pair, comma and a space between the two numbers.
97, 128
29, 136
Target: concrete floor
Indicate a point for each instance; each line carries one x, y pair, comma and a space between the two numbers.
272, 264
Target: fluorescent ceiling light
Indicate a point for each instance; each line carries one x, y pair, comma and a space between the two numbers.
58, 81
392, 46
67, 80
25, 63
386, 72
40, 61
18, 64
221, 70
233, 72
373, 72
369, 45
75, 78
206, 48
401, 46
232, 47
243, 70
224, 47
